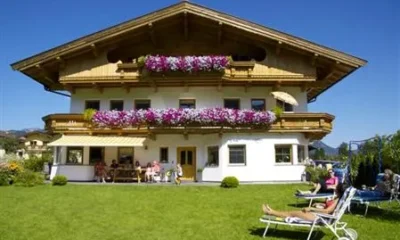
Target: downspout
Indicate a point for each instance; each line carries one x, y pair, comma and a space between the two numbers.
59, 93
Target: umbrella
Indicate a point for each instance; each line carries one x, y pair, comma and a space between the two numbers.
285, 97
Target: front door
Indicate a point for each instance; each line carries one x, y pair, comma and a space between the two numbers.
187, 159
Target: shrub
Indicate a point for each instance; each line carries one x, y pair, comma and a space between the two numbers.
88, 114
5, 178
27, 178
35, 164
277, 110
316, 174
230, 182
59, 180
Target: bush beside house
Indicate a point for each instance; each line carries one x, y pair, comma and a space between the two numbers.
230, 182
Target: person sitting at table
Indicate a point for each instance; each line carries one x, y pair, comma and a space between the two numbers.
148, 177
100, 171
113, 168
327, 185
138, 170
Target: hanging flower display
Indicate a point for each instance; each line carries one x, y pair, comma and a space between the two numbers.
186, 64
171, 117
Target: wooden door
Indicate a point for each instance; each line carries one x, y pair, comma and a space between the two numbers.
187, 158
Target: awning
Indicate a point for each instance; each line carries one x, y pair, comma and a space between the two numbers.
98, 141
285, 97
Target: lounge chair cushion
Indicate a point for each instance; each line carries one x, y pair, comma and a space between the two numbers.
286, 220
370, 199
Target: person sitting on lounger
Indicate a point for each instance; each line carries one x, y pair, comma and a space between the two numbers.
324, 186
382, 189
306, 213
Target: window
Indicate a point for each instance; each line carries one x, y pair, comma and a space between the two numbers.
33, 143
164, 155
117, 105
74, 155
301, 153
283, 153
232, 103
258, 104
125, 155
286, 107
96, 154
142, 104
237, 154
92, 104
187, 103
213, 156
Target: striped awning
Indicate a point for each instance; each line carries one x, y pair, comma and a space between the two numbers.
98, 141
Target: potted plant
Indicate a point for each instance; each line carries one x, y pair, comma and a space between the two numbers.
199, 175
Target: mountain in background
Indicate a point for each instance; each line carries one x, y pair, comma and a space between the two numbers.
18, 133
329, 151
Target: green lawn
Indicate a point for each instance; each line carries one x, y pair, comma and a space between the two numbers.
81, 212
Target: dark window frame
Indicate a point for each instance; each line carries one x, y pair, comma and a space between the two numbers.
188, 99
142, 100
281, 153
244, 154
115, 101
87, 101
258, 99
161, 155
68, 154
119, 155
286, 107
90, 153
232, 99
303, 147
213, 163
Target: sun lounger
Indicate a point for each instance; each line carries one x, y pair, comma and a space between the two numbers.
394, 196
312, 197
332, 222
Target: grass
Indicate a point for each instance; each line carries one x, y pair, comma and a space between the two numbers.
107, 212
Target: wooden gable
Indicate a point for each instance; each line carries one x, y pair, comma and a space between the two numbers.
189, 29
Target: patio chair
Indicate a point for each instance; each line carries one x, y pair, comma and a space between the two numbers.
393, 197
330, 221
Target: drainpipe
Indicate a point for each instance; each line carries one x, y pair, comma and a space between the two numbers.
59, 93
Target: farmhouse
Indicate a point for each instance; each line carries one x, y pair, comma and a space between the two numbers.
191, 85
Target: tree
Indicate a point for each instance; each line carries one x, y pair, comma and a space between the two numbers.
9, 144
343, 151
319, 154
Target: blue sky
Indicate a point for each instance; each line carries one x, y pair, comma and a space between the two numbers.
365, 103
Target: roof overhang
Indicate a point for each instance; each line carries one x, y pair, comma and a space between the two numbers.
34, 66
97, 141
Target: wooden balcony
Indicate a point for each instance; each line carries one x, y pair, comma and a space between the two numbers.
312, 125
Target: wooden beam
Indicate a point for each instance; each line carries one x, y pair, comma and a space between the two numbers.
276, 86
219, 36
97, 87
314, 59
44, 73
69, 88
278, 48
126, 87
61, 62
152, 34
247, 86
94, 50
185, 25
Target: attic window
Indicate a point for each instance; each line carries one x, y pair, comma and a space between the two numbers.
257, 54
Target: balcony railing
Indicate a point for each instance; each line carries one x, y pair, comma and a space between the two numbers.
313, 125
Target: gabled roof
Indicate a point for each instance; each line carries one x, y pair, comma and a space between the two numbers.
195, 9
84, 44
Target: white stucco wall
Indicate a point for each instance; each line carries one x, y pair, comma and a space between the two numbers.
169, 97
260, 156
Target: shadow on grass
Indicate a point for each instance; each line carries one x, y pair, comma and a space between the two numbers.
385, 213
294, 233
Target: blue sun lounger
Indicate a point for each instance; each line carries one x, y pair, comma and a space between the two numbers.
394, 196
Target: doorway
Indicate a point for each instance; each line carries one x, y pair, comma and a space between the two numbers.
187, 158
